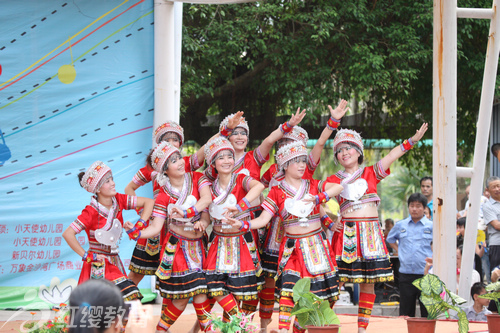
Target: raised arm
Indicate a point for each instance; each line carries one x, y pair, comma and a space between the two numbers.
334, 121
130, 188
232, 123
401, 149
266, 145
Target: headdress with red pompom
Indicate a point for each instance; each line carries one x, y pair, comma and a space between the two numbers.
350, 136
216, 145
159, 158
297, 134
243, 124
289, 152
95, 176
169, 126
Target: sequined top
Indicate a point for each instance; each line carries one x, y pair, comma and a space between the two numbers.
275, 201
372, 174
95, 216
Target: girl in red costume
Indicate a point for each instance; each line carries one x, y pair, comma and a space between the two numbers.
275, 231
359, 247
305, 250
146, 256
102, 220
250, 162
183, 195
232, 267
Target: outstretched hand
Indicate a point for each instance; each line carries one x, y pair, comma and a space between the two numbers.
200, 226
297, 117
233, 222
235, 120
128, 225
420, 132
176, 213
340, 110
230, 211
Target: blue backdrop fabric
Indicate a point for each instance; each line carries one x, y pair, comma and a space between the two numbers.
53, 127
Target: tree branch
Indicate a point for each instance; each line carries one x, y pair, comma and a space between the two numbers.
238, 83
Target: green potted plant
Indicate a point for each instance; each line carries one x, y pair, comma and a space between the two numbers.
438, 300
312, 312
238, 323
493, 290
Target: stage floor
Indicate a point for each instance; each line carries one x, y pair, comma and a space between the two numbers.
348, 322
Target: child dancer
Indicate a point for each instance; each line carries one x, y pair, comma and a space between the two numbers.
250, 163
359, 247
305, 251
146, 256
232, 266
102, 220
180, 273
274, 232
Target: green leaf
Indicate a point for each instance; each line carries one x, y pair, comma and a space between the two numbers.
302, 287
493, 286
456, 299
431, 284
463, 322
303, 310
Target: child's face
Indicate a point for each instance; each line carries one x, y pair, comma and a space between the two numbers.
482, 301
461, 229
427, 212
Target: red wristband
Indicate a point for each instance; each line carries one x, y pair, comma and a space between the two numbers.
190, 212
333, 123
322, 198
407, 145
141, 224
225, 132
243, 205
326, 220
286, 128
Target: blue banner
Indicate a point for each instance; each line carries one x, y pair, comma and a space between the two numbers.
76, 86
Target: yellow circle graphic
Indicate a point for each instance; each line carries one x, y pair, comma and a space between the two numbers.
66, 74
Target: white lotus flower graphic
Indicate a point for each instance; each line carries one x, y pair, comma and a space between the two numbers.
58, 292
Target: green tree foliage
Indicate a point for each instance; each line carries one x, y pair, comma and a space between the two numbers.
269, 57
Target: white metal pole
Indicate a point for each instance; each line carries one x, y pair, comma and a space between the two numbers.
164, 44
480, 154
177, 60
444, 135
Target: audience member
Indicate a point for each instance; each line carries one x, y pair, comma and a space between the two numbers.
491, 210
495, 150
97, 295
427, 213
426, 189
484, 197
414, 237
477, 311
98, 307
